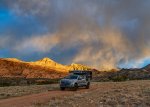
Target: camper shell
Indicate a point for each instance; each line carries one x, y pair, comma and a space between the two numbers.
87, 73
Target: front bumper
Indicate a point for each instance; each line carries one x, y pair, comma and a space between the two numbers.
66, 85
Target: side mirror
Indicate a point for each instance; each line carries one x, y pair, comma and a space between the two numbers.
83, 79
79, 79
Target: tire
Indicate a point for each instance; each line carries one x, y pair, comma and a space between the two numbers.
87, 86
62, 88
75, 87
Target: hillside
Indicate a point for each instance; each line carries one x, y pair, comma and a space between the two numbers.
131, 74
48, 63
44, 68
47, 68
147, 68
124, 74
74, 66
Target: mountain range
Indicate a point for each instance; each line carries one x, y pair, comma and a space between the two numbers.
47, 68
44, 68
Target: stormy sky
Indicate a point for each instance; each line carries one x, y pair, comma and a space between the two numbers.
98, 33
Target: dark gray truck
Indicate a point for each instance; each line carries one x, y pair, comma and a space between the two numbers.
76, 79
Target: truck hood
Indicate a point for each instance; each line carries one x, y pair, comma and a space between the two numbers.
68, 80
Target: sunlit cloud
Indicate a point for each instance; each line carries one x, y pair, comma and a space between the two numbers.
107, 33
37, 43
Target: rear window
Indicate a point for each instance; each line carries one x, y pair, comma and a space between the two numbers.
71, 77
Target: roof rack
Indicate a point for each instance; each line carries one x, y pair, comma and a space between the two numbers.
88, 73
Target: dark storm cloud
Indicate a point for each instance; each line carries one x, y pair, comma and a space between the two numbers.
104, 33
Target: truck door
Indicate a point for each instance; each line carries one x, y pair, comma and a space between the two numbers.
82, 81
79, 81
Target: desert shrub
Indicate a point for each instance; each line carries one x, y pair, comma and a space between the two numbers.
26, 81
48, 81
119, 78
13, 83
5, 84
22, 82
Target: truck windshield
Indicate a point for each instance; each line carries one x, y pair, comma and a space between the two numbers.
71, 77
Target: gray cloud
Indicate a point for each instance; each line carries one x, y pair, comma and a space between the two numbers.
106, 32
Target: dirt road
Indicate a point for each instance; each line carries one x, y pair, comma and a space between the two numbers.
102, 94
41, 98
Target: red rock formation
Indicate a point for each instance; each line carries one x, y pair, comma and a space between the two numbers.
44, 68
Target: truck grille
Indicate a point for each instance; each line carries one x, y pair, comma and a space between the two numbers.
65, 83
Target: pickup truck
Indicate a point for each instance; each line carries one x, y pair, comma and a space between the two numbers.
74, 80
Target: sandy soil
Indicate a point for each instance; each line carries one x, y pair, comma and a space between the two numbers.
102, 94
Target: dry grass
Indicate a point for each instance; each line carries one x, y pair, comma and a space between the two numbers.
15, 91
108, 94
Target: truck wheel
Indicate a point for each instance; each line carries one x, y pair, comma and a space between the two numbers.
75, 87
62, 88
87, 86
